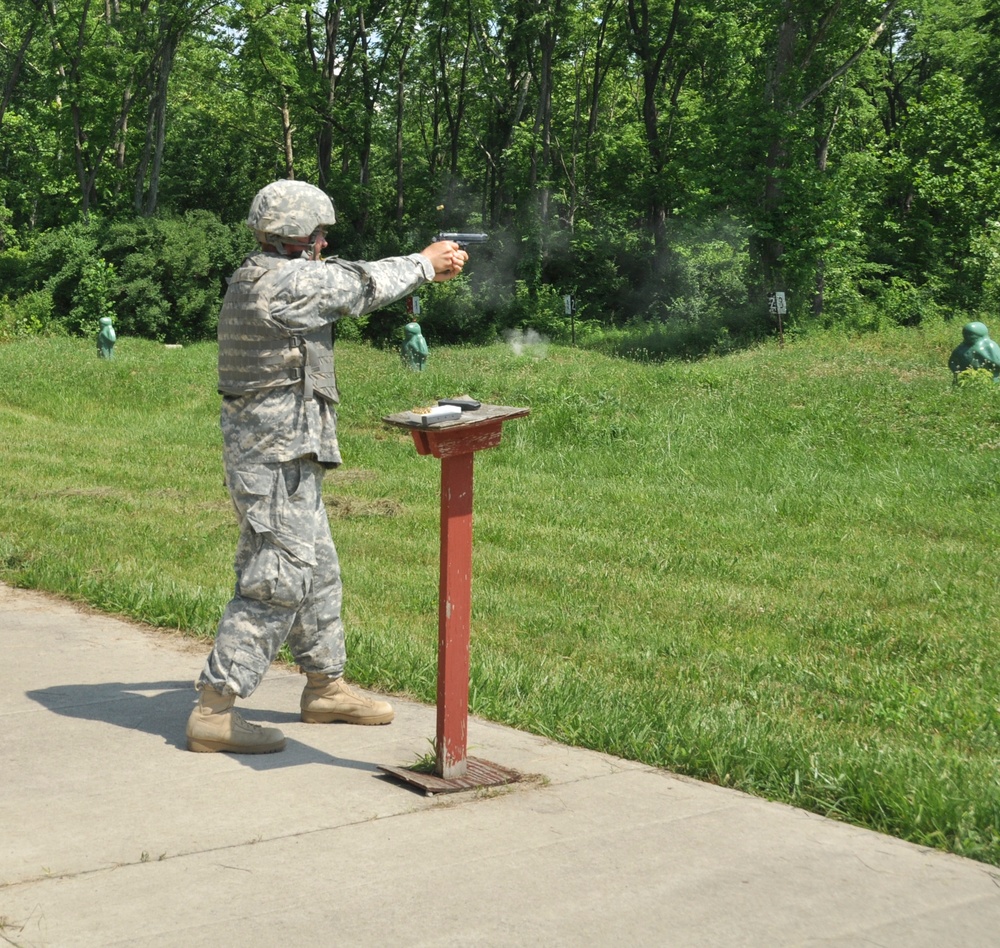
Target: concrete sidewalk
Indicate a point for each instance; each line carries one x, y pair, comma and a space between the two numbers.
112, 834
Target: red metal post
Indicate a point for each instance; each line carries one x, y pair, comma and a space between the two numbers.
456, 448
455, 445
454, 614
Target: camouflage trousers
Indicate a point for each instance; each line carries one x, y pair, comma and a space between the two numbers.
288, 585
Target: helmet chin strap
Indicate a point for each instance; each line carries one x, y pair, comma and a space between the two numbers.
270, 242
309, 251
288, 248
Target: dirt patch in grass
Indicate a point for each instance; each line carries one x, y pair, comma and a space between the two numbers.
344, 507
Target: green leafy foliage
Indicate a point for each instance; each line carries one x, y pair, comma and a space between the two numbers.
27, 315
452, 314
92, 298
975, 379
601, 151
172, 273
159, 278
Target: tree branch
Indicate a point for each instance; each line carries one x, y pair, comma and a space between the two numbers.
858, 53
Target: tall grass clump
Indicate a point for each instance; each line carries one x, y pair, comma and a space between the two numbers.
774, 569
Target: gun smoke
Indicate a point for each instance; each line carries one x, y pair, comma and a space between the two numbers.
526, 342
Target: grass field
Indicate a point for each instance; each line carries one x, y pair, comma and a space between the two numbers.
775, 570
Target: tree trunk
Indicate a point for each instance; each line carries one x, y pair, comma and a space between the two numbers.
451, 95
822, 156
330, 74
781, 100
597, 77
775, 98
122, 136
8, 88
652, 56
400, 99
158, 122
509, 97
541, 164
365, 151
287, 130
83, 173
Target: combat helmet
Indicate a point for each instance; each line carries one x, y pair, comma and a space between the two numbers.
289, 209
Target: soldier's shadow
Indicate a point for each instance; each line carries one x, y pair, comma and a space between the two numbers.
161, 708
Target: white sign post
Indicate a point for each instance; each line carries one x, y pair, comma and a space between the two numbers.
777, 306
569, 306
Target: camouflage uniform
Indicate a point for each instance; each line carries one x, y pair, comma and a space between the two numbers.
280, 436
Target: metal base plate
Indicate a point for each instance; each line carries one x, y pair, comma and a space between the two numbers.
479, 773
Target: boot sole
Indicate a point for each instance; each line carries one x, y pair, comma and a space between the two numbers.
212, 747
333, 717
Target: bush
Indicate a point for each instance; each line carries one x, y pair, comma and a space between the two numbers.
542, 310
701, 303
44, 280
159, 278
173, 272
351, 329
56, 262
93, 297
975, 378
655, 340
453, 315
883, 304
28, 315
985, 261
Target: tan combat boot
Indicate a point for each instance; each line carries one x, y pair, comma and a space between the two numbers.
327, 699
215, 725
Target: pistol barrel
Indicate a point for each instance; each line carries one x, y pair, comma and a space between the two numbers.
463, 240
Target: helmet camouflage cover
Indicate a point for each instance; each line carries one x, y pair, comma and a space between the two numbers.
290, 209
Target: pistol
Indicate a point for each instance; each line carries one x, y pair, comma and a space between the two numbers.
463, 240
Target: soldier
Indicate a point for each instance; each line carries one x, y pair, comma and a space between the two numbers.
276, 376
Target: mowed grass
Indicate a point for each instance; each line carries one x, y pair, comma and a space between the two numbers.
776, 571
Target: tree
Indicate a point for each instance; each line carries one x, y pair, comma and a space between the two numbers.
22, 29
621, 150
813, 47
174, 19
